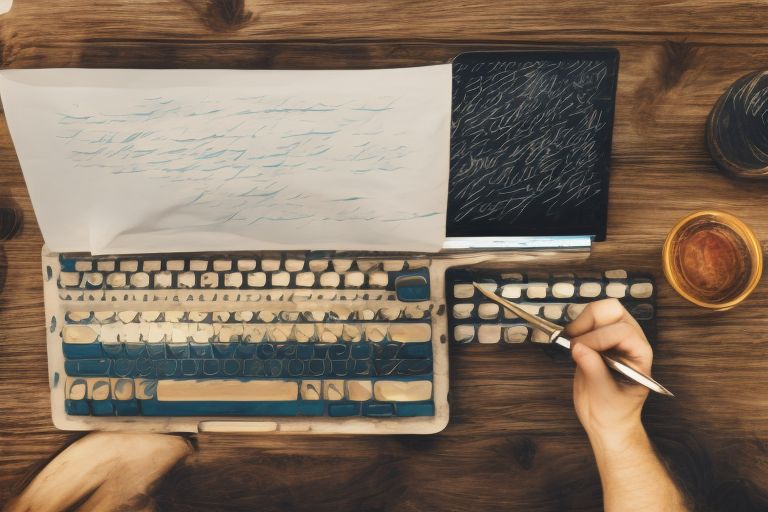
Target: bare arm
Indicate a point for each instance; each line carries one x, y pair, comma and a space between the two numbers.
632, 476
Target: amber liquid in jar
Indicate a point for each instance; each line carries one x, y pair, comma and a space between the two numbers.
713, 261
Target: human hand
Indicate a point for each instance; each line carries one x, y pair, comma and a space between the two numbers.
609, 409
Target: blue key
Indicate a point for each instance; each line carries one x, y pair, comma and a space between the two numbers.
360, 350
305, 351
190, 368
77, 407
211, 367
224, 350
88, 367
124, 368
113, 350
145, 367
412, 286
245, 350
167, 368
415, 351
378, 409
253, 368
344, 409
135, 350
338, 351
82, 350
127, 407
231, 367
178, 350
102, 407
201, 350
156, 350
415, 409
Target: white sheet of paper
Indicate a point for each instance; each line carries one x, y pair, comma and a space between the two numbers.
124, 161
5, 6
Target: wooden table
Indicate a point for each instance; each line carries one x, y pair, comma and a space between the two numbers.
513, 442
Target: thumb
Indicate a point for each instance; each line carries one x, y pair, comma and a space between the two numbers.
590, 363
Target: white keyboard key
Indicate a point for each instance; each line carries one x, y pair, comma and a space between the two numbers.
222, 265
69, 279
140, 280
512, 291
163, 279
246, 265
341, 265
616, 274
174, 265
281, 279
257, 279
538, 336
116, 280
233, 280
197, 316
402, 391
375, 332
463, 291
221, 316
198, 265
359, 390
105, 266
616, 290
488, 311
270, 265
536, 290
351, 333
305, 279
563, 290
489, 333
464, 333
159, 332
151, 265
318, 265
461, 311
294, 265
378, 279
149, 316
330, 280
92, 279
393, 265
186, 280
243, 316
354, 279
311, 389
515, 334
79, 333
410, 332
129, 265
641, 290
553, 311
304, 333
590, 289
226, 390
127, 316
209, 280
333, 389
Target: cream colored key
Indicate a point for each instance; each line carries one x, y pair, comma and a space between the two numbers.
538, 336
333, 389
140, 280
80, 333
163, 279
533, 309
281, 279
173, 316
402, 391
180, 332
131, 333
279, 332
330, 280
204, 333
463, 291
410, 332
589, 289
311, 389
488, 311
304, 333
228, 332
174, 265
110, 333
341, 265
266, 316
159, 332
105, 266
99, 389
69, 279
489, 333
515, 334
270, 265
105, 317
294, 264
186, 280
84, 266
76, 316
92, 279
318, 265
197, 316
563, 290
341, 311
122, 389
289, 316
315, 316
616, 290
462, 311
151, 265
209, 280
222, 265
116, 280
616, 274
146, 389
512, 291
254, 333
226, 390
389, 313
246, 265
76, 388
305, 279
359, 390
330, 333
233, 280
641, 290
393, 265
198, 265
364, 265
553, 311
351, 333
220, 316
243, 316
257, 279
378, 279
354, 279
366, 314
129, 265
464, 333
415, 311
149, 316
127, 316
375, 332
536, 290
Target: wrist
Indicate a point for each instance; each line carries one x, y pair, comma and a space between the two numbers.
618, 438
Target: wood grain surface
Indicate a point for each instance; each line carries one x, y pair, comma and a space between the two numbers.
513, 442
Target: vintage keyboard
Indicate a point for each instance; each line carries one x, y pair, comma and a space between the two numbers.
559, 297
316, 338
309, 342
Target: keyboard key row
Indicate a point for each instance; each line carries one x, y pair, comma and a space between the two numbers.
167, 332
264, 350
227, 264
337, 312
229, 390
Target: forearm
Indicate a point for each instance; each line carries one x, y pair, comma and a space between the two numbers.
633, 477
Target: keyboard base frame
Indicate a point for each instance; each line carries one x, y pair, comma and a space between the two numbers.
55, 309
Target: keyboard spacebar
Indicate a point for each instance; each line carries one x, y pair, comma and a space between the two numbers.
226, 390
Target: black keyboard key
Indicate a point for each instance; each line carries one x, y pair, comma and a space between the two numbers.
253, 368
305, 351
245, 350
265, 351
274, 367
211, 367
316, 368
191, 368
231, 367
296, 368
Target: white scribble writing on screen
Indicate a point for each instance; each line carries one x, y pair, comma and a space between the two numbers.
250, 159
526, 139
